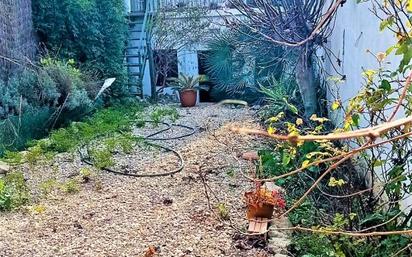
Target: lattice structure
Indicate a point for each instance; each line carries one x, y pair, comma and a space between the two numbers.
16, 34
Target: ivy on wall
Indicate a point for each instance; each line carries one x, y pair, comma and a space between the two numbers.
92, 32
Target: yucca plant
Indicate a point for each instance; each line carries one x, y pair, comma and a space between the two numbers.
187, 87
184, 82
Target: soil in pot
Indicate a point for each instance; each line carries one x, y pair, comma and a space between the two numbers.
188, 98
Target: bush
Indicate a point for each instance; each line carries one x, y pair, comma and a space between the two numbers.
92, 32
41, 98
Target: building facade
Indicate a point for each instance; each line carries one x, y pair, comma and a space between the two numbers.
187, 55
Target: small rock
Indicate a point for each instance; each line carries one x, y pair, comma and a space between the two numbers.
4, 168
167, 201
189, 250
272, 187
77, 225
250, 156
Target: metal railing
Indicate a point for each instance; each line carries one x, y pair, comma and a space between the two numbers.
211, 4
139, 6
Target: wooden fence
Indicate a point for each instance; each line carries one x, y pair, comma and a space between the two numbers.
17, 43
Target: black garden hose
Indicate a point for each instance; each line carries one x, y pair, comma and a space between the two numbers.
150, 137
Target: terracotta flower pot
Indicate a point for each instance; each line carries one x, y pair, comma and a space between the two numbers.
261, 210
188, 98
264, 211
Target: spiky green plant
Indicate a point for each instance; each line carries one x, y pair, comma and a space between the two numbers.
224, 64
184, 82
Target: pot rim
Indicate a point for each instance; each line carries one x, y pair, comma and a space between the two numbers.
187, 90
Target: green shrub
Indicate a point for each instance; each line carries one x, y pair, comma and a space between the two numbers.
104, 122
50, 95
48, 186
13, 191
92, 32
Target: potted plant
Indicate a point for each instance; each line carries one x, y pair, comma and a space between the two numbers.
187, 87
262, 202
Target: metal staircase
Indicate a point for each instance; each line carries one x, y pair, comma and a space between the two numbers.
138, 48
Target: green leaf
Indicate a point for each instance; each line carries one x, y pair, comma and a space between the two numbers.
386, 23
291, 107
385, 85
285, 159
355, 119
390, 49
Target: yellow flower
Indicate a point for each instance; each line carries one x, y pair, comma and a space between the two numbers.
333, 182
305, 163
335, 105
271, 130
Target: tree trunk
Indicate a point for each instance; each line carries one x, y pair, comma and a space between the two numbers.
305, 77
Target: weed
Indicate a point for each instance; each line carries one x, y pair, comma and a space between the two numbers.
223, 211
102, 158
13, 157
48, 186
38, 209
85, 174
33, 154
13, 191
126, 142
71, 186
231, 172
161, 113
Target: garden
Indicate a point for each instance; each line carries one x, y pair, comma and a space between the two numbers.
229, 128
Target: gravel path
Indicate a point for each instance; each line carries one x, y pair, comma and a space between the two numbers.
115, 215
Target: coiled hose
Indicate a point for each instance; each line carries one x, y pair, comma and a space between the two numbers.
151, 137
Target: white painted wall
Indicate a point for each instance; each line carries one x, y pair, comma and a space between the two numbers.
356, 31
187, 56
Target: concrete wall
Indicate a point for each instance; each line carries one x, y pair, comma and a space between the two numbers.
356, 30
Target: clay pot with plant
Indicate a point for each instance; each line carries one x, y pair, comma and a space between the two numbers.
262, 202
187, 86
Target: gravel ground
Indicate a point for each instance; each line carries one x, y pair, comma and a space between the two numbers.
115, 215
